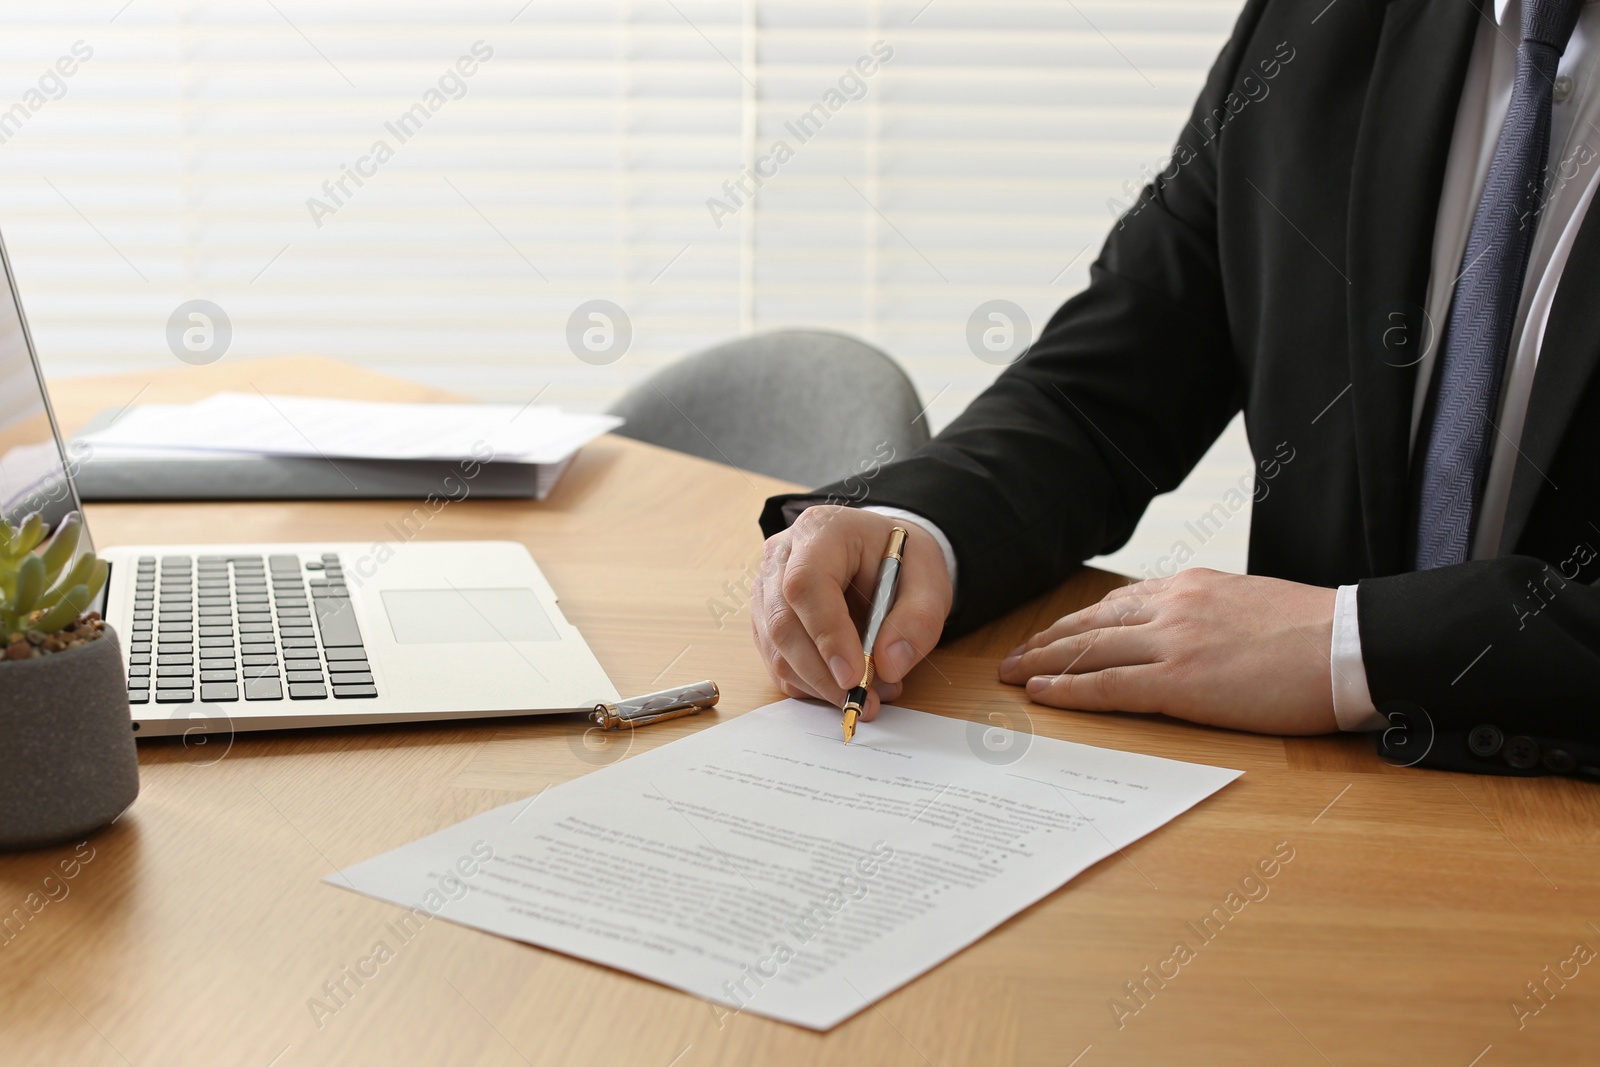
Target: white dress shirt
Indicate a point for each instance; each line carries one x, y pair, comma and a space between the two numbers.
1575, 165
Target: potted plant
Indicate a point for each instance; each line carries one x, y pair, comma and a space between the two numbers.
67, 758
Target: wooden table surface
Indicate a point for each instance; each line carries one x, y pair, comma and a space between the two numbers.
1415, 908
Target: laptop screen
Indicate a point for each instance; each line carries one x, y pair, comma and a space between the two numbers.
33, 465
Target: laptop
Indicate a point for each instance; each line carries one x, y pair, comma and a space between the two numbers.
267, 636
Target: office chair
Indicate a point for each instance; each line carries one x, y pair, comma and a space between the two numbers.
807, 406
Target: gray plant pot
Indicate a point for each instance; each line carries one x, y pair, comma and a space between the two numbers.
67, 759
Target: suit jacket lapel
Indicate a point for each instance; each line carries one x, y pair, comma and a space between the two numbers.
1397, 174
1567, 359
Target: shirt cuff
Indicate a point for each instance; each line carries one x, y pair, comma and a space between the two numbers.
1352, 700
934, 532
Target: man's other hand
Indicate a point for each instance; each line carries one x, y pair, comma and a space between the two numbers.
1230, 650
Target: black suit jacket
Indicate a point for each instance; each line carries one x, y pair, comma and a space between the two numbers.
1279, 264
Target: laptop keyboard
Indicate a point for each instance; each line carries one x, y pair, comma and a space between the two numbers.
223, 628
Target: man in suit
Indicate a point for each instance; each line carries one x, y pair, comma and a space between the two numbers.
1372, 236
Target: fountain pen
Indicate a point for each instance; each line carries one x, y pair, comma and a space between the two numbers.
882, 601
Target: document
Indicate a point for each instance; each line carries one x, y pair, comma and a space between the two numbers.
318, 426
765, 866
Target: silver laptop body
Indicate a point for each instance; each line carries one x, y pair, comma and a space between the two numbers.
232, 637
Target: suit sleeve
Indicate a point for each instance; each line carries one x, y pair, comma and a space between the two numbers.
1126, 387
1508, 640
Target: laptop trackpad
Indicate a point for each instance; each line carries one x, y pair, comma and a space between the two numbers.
454, 616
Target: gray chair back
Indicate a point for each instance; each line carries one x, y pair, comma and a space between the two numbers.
807, 406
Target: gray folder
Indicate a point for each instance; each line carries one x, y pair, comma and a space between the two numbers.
110, 474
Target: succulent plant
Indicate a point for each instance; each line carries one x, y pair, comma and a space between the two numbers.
39, 591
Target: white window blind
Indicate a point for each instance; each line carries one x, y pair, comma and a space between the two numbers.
575, 163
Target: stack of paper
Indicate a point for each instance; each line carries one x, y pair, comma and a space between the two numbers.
226, 427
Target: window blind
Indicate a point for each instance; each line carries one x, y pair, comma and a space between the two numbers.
941, 154
545, 161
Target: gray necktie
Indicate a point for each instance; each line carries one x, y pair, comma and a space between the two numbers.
1457, 422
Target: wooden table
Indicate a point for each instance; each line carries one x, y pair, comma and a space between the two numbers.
1414, 909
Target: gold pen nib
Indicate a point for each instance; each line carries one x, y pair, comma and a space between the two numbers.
854, 701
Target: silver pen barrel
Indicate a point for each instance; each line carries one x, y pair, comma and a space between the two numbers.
883, 594
882, 601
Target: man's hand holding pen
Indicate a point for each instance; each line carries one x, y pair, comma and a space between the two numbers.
810, 603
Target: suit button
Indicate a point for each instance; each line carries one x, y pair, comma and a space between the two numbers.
1521, 752
1485, 740
1558, 761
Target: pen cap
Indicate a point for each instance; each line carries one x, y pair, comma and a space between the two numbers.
652, 707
